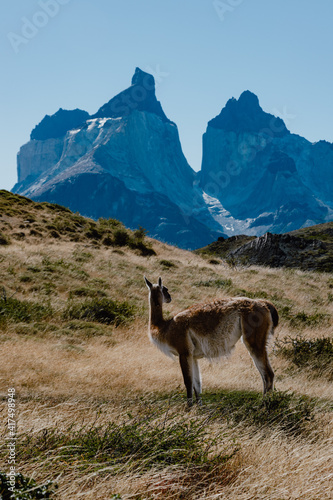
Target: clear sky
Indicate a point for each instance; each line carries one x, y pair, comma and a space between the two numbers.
80, 53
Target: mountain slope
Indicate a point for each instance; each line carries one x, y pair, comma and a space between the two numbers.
25, 221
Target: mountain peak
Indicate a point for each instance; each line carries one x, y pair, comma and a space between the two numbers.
249, 100
140, 96
246, 115
142, 78
58, 124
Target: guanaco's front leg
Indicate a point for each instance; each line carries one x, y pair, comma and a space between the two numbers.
186, 364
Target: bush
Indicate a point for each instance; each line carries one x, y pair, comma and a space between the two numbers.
302, 319
218, 283
167, 264
101, 310
107, 241
139, 441
144, 249
86, 292
26, 279
25, 488
4, 240
121, 237
277, 408
240, 292
140, 234
93, 234
22, 310
315, 354
54, 234
215, 262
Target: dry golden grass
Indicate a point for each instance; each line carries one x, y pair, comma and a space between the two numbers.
70, 372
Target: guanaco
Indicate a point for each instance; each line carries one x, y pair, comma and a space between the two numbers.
211, 330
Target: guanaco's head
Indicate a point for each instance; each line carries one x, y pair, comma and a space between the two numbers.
158, 293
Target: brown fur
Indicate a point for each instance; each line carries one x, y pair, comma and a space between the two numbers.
211, 330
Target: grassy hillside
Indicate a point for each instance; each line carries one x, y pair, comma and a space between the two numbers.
23, 220
102, 413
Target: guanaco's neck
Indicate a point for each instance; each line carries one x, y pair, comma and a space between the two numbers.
156, 314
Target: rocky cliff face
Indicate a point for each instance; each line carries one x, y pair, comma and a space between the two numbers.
261, 173
124, 162
310, 248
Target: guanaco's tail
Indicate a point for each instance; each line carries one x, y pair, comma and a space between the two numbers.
274, 314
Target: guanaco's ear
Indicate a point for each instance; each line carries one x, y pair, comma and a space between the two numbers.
160, 282
149, 285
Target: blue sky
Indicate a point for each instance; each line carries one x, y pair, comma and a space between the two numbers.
80, 53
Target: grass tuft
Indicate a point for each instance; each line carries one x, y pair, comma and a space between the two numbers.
217, 283
314, 354
15, 310
101, 310
25, 488
167, 264
143, 442
4, 239
280, 409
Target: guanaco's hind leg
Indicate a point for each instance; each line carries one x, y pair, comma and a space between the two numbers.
197, 381
263, 366
256, 327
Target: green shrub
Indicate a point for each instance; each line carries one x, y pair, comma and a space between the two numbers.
167, 264
139, 441
33, 269
82, 256
301, 319
25, 488
314, 354
4, 240
86, 292
215, 262
93, 234
140, 233
30, 218
144, 249
218, 283
107, 241
289, 412
101, 310
22, 311
138, 242
109, 223
26, 279
54, 234
121, 237
240, 292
